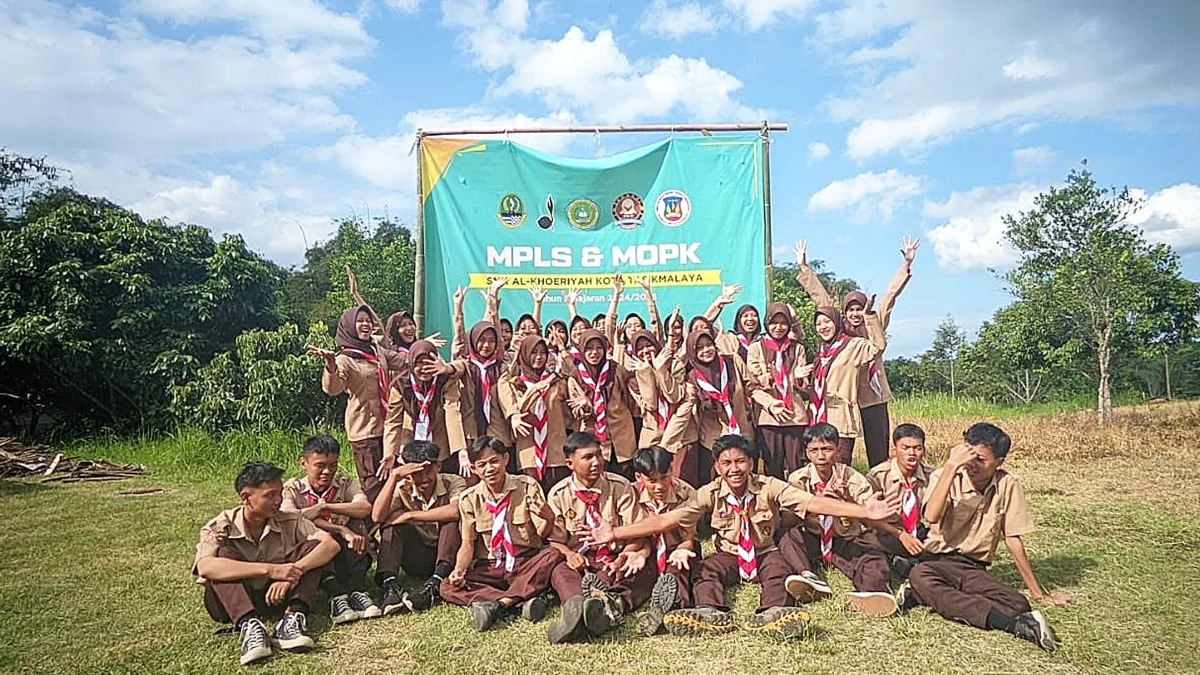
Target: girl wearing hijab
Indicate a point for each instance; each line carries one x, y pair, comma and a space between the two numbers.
716, 390
400, 332
780, 371
479, 394
747, 330
834, 397
534, 401
363, 372
873, 390
600, 399
416, 406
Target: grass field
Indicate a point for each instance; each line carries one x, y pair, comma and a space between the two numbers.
92, 581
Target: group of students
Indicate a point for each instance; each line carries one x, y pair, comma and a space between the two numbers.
531, 464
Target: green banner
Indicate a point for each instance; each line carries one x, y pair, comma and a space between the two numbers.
687, 213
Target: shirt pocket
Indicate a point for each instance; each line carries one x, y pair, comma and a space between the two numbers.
763, 524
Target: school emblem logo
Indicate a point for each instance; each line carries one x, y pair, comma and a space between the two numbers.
673, 208
546, 221
628, 211
512, 211
583, 214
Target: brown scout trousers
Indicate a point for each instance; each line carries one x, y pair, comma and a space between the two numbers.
633, 590
875, 433
401, 547
866, 567
486, 582
720, 571
960, 588
782, 450
368, 455
693, 465
232, 601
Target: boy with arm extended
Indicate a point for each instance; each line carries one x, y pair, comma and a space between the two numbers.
675, 553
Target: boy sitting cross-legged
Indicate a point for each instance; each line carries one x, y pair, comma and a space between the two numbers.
907, 477
255, 557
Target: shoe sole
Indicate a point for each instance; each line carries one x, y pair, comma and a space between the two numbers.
255, 655
298, 645
482, 617
790, 624
398, 608
662, 600
345, 618
1047, 640
533, 610
370, 613
595, 619
570, 621
872, 604
685, 623
804, 590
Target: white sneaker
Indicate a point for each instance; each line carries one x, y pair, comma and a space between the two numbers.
873, 603
807, 587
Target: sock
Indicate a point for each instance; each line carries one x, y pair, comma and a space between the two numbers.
441, 570
332, 586
244, 619
298, 606
384, 578
998, 621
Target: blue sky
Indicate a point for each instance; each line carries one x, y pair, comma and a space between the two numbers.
924, 117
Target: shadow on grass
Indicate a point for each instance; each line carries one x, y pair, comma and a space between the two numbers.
1056, 571
16, 488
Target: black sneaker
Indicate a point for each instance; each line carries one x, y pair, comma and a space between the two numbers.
699, 621
291, 633
534, 609
902, 565
781, 623
394, 600
807, 587
662, 600
254, 642
425, 596
340, 610
485, 614
1032, 626
364, 605
597, 615
906, 597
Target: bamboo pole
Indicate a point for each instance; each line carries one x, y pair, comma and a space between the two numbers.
419, 263
646, 128
765, 132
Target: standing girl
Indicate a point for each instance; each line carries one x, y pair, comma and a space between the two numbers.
533, 397
780, 371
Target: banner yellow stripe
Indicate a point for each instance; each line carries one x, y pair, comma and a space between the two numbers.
597, 281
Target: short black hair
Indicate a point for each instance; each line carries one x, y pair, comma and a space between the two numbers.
578, 440
652, 460
420, 451
483, 444
254, 474
821, 431
323, 444
908, 431
983, 433
734, 441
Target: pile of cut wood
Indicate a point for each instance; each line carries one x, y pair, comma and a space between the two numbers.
20, 461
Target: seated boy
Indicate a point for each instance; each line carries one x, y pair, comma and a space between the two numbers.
616, 581
417, 510
907, 477
745, 514
972, 504
254, 557
676, 551
334, 503
837, 542
504, 520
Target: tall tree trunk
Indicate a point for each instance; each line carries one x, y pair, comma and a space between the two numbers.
1104, 385
1167, 368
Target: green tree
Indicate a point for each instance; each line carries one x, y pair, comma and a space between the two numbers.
943, 355
1081, 261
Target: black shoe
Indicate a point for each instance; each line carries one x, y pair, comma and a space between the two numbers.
534, 609
699, 621
291, 633
781, 623
340, 610
255, 646
1032, 626
662, 600
567, 625
393, 598
906, 597
485, 614
364, 605
901, 566
592, 586
425, 596
597, 615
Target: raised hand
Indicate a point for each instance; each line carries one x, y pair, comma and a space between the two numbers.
329, 356
408, 469
436, 340
729, 293
385, 467
572, 296
802, 252
870, 305
644, 282
538, 293
460, 294
353, 279
497, 284
908, 248
464, 464
618, 283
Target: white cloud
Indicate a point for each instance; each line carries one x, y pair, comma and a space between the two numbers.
1171, 216
1029, 160
971, 233
817, 151
868, 195
405, 6
759, 14
677, 21
278, 19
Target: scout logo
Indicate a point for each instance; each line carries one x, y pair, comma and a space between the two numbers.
546, 222
583, 214
628, 210
673, 208
512, 211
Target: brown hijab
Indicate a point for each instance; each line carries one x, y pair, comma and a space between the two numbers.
646, 335
420, 350
851, 298
346, 335
525, 357
586, 337
789, 357
833, 315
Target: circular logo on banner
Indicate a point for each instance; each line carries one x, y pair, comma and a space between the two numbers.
512, 211
628, 211
583, 214
673, 208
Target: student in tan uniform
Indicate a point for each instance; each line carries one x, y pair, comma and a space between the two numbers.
255, 557
400, 332
599, 586
534, 401
666, 421
418, 516
334, 503
874, 392
834, 397
363, 372
675, 553
501, 567
780, 370
417, 405
715, 395
747, 330
602, 403
906, 477
974, 502
745, 510
479, 382
837, 542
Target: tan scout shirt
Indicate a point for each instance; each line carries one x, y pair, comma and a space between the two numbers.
762, 372
497, 427
888, 479
678, 496
446, 490
618, 413
771, 495
445, 425
515, 399
523, 521
359, 379
709, 416
841, 388
858, 490
280, 537
972, 522
618, 506
681, 429
342, 489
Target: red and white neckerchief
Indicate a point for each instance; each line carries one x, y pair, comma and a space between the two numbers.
592, 517
501, 543
873, 377
311, 497
381, 373
660, 539
541, 422
910, 512
724, 395
662, 410
747, 556
595, 389
826, 523
485, 385
423, 420
779, 370
825, 358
